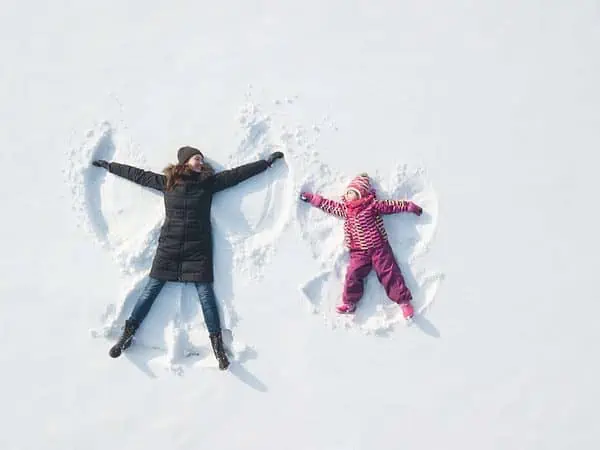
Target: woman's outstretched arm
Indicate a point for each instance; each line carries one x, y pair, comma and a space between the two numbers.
231, 177
142, 177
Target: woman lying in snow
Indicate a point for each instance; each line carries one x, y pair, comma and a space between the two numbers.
184, 250
367, 240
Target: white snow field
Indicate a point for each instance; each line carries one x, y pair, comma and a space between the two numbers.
487, 114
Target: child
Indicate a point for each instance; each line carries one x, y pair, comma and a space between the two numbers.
367, 240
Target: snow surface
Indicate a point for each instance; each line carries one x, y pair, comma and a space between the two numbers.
485, 114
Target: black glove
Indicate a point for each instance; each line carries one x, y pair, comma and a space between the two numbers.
273, 156
101, 163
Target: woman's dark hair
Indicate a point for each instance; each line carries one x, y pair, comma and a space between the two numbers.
176, 172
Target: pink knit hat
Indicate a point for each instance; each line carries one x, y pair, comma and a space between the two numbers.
361, 185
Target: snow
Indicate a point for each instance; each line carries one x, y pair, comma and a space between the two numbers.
484, 114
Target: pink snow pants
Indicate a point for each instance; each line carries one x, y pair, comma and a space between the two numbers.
382, 260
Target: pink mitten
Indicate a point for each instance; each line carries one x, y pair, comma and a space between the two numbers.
313, 199
306, 196
414, 208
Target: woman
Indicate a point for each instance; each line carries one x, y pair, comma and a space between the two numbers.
184, 250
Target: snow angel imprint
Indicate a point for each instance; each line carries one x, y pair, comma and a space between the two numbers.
184, 250
367, 240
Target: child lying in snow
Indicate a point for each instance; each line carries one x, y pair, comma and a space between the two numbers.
367, 240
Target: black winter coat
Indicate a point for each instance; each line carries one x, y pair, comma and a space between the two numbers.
184, 250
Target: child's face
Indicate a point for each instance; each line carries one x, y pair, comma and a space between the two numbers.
350, 196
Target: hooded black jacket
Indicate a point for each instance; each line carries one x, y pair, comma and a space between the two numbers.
184, 250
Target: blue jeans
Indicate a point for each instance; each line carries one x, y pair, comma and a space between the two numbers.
206, 295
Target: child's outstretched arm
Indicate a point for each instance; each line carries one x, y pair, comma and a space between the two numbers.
397, 206
329, 206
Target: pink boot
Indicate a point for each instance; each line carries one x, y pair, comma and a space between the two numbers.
407, 310
345, 308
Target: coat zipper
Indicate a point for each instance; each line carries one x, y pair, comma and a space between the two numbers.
180, 266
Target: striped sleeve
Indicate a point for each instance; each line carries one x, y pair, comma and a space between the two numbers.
391, 206
332, 207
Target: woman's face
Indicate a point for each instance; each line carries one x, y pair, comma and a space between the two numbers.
350, 195
195, 163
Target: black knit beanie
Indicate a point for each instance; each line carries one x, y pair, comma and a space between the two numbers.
185, 153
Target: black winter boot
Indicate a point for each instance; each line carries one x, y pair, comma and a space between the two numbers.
125, 340
216, 341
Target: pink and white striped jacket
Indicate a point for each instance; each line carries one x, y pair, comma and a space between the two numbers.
363, 225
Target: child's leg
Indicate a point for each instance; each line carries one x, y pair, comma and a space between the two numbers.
358, 269
390, 276
210, 310
146, 300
